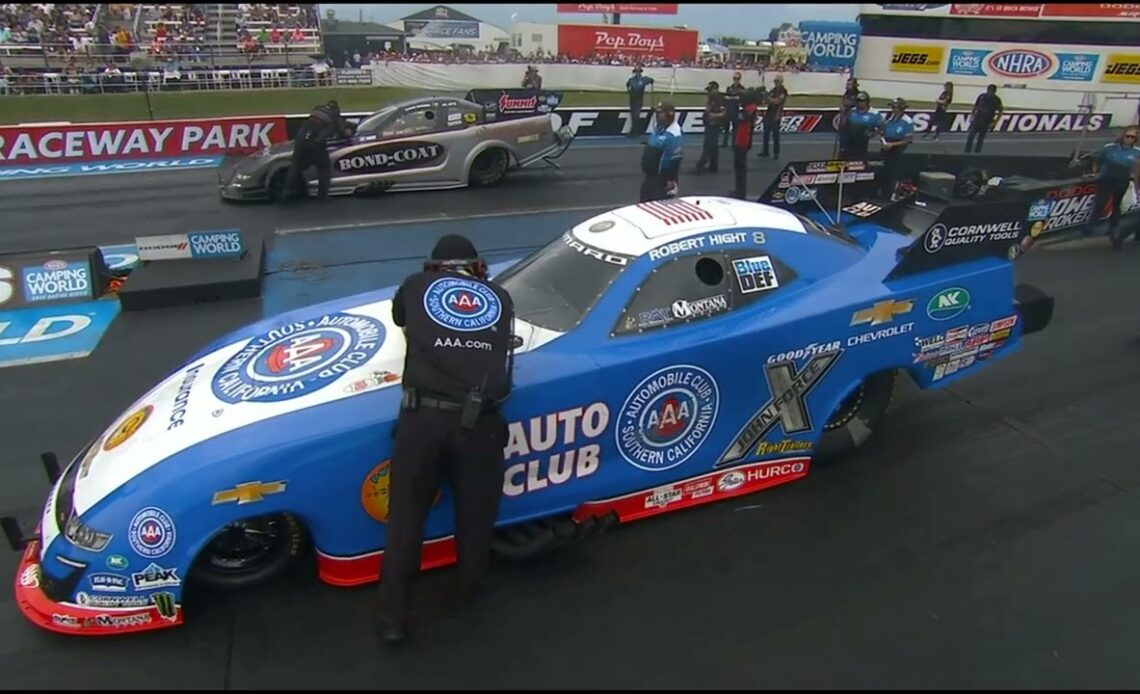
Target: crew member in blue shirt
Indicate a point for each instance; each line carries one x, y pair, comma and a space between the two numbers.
898, 134
636, 85
661, 157
860, 125
1117, 167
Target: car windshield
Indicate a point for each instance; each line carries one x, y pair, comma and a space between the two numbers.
374, 121
558, 285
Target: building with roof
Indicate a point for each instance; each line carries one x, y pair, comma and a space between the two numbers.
442, 28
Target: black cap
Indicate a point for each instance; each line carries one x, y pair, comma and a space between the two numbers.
454, 247
666, 106
862, 96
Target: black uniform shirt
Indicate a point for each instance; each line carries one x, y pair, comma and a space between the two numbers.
322, 124
458, 331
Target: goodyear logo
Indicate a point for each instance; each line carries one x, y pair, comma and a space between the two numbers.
916, 58
1122, 68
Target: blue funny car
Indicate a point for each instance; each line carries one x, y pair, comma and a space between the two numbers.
670, 354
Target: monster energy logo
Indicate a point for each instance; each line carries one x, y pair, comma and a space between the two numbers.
787, 406
164, 603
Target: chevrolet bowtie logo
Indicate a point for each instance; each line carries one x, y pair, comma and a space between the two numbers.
882, 312
249, 492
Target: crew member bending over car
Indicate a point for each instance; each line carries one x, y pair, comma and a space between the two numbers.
310, 148
860, 125
1118, 166
661, 156
457, 373
898, 133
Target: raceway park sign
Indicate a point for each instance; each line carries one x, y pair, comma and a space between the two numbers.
90, 142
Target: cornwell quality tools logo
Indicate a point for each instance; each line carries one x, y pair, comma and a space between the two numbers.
249, 492
787, 406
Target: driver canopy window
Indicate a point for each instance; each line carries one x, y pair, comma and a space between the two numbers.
682, 291
414, 120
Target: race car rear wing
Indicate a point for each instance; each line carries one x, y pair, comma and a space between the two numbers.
845, 192
967, 231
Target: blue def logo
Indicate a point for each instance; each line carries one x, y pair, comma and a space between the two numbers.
755, 274
463, 305
298, 358
667, 417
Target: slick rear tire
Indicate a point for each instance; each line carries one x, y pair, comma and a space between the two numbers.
490, 167
249, 553
858, 417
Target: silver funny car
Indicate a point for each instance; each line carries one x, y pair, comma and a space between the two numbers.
428, 143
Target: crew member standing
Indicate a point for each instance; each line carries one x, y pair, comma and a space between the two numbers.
732, 95
940, 121
714, 122
635, 86
457, 373
661, 156
773, 116
310, 148
744, 126
846, 104
898, 134
859, 125
987, 110
1117, 167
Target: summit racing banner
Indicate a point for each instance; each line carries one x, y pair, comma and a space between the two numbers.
84, 142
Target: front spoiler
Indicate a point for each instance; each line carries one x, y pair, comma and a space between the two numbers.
78, 620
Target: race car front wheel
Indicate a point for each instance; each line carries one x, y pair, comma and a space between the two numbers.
249, 552
858, 417
490, 167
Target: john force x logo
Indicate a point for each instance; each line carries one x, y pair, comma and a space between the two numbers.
463, 305
298, 358
787, 407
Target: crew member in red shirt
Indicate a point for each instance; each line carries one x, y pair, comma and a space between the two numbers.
745, 124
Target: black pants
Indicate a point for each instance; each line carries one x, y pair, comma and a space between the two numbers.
740, 171
939, 122
431, 446
710, 154
653, 187
306, 154
728, 130
892, 163
978, 128
771, 130
636, 127
1110, 189
853, 147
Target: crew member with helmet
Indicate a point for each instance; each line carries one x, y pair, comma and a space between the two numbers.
898, 134
1116, 167
457, 374
858, 127
661, 156
310, 148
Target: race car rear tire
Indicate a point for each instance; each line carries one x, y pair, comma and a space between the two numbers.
490, 167
249, 553
858, 417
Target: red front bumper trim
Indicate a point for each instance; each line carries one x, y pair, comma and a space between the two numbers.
77, 620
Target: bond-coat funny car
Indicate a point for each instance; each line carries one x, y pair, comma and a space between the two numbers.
668, 354
427, 143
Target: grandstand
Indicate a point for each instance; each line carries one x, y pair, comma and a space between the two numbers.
88, 48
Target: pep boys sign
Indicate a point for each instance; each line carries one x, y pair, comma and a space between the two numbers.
583, 41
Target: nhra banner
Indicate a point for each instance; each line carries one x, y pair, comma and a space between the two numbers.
79, 142
831, 44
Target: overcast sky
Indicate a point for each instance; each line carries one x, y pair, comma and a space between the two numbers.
748, 21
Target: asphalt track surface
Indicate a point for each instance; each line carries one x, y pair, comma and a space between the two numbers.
986, 538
